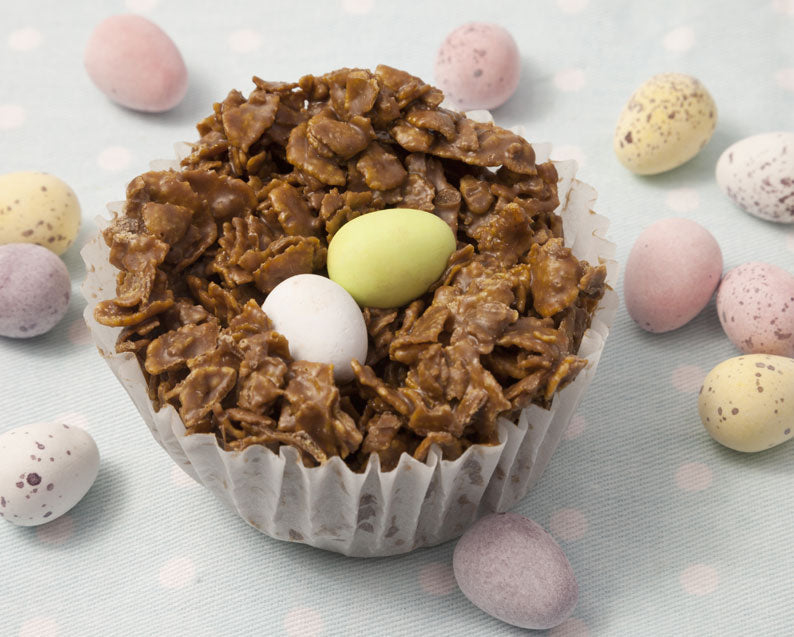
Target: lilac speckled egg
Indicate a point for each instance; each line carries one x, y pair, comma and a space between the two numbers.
755, 303
509, 567
673, 269
136, 64
34, 290
758, 174
478, 66
45, 469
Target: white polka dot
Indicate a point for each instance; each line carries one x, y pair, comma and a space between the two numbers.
688, 378
575, 427
563, 152
78, 333
72, 418
141, 6
785, 79
303, 622
56, 532
24, 39
683, 199
244, 41
114, 158
699, 579
570, 80
358, 7
693, 476
573, 6
679, 40
790, 240
177, 572
181, 479
40, 627
11, 116
568, 524
437, 579
786, 7
571, 627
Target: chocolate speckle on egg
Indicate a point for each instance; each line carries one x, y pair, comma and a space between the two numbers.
665, 123
752, 304
756, 172
63, 484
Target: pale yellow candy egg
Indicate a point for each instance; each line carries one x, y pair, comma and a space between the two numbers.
390, 257
747, 402
38, 208
665, 123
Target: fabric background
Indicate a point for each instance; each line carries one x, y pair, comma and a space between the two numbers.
668, 532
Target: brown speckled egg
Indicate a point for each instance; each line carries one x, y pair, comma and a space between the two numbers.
45, 469
755, 303
758, 174
478, 66
747, 402
38, 208
666, 122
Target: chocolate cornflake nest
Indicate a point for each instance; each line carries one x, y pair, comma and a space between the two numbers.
269, 182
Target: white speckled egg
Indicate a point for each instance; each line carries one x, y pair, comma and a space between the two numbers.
755, 303
478, 66
321, 321
747, 402
758, 174
509, 567
665, 123
38, 208
34, 290
673, 269
45, 469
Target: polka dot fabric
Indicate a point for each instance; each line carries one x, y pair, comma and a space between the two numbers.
651, 512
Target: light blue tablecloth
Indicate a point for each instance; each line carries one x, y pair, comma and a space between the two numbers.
668, 533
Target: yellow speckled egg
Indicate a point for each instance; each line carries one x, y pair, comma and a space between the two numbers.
665, 124
747, 402
38, 208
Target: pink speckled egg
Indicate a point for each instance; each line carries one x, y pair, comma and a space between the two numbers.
478, 66
755, 303
671, 273
136, 64
34, 290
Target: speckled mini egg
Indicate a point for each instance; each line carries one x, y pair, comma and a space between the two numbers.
747, 402
135, 64
45, 469
755, 303
665, 123
509, 567
478, 66
321, 322
673, 269
34, 290
758, 174
38, 208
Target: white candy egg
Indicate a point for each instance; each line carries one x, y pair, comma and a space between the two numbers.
321, 321
758, 174
45, 469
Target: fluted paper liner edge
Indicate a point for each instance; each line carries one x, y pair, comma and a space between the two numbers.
374, 513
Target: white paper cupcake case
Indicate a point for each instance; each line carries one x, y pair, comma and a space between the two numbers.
374, 513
